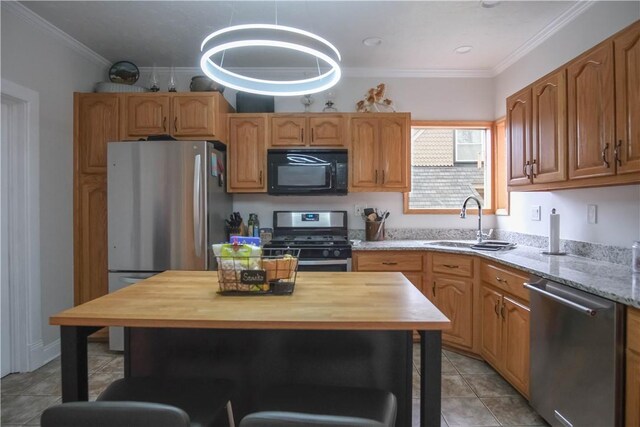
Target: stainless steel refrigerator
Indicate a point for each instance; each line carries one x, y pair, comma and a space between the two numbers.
167, 203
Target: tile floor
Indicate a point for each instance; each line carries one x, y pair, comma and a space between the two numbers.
473, 394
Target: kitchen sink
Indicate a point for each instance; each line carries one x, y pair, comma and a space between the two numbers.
487, 245
452, 244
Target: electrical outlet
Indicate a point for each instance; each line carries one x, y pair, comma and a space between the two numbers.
535, 213
592, 214
358, 210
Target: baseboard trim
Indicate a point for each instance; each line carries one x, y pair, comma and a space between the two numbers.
40, 354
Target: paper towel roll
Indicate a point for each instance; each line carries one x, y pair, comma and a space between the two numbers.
554, 232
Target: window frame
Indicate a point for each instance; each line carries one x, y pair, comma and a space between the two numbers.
455, 149
489, 160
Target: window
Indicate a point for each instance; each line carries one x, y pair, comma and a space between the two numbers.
449, 161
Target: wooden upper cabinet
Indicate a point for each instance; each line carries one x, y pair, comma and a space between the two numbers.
394, 158
454, 298
318, 130
380, 152
548, 137
627, 58
193, 115
246, 160
327, 131
363, 156
591, 113
288, 131
147, 115
96, 123
519, 138
491, 325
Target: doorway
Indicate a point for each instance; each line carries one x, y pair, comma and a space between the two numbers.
21, 327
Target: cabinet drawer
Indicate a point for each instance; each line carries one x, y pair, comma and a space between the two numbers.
456, 265
389, 261
505, 279
633, 329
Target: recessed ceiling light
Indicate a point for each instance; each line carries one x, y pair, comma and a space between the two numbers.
372, 41
463, 49
489, 3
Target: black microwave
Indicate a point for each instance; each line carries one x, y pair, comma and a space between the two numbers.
307, 172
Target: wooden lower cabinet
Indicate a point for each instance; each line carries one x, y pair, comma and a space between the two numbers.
504, 341
454, 297
632, 399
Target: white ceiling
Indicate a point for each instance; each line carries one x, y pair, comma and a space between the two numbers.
418, 36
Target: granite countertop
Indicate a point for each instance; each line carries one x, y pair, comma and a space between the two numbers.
612, 281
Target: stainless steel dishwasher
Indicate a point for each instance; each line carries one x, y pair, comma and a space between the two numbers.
576, 356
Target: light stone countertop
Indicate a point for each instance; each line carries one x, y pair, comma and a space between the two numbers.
612, 281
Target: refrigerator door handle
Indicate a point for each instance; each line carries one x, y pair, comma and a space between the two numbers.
197, 217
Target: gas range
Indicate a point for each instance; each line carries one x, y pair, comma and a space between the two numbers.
321, 236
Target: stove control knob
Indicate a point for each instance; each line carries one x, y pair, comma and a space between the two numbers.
325, 253
278, 253
336, 253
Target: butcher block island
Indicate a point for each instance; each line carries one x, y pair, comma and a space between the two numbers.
337, 328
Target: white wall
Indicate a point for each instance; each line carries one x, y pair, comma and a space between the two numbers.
619, 207
41, 62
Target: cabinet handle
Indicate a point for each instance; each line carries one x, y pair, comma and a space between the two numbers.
383, 179
389, 263
164, 124
501, 280
312, 135
604, 154
376, 176
524, 169
175, 124
616, 152
451, 266
260, 177
495, 308
433, 288
302, 134
502, 311
535, 162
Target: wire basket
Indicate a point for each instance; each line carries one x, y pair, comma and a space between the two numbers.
274, 272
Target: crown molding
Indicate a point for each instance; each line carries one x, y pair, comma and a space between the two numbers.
535, 41
30, 16
347, 72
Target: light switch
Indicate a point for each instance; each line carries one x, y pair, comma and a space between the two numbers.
535, 213
592, 214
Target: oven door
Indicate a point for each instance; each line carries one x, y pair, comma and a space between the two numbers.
324, 264
292, 172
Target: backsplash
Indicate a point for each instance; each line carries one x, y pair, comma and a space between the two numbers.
596, 251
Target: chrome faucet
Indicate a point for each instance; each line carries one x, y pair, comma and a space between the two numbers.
463, 214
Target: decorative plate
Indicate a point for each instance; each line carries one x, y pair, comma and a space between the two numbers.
124, 72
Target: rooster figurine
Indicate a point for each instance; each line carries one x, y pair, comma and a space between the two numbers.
374, 99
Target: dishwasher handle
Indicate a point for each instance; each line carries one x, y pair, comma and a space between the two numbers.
579, 307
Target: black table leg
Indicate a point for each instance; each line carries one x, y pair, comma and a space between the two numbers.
430, 378
73, 361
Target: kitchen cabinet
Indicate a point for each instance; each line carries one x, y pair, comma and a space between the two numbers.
536, 118
410, 263
96, 122
504, 329
182, 115
627, 66
247, 153
304, 130
591, 109
380, 152
451, 290
632, 392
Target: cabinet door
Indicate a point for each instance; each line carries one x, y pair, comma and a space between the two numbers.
519, 138
590, 106
627, 56
96, 121
193, 115
549, 144
632, 413
90, 258
453, 297
416, 279
491, 326
247, 154
287, 131
327, 131
363, 156
394, 153
515, 344
147, 115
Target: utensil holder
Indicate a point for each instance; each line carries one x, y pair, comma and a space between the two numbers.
374, 231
